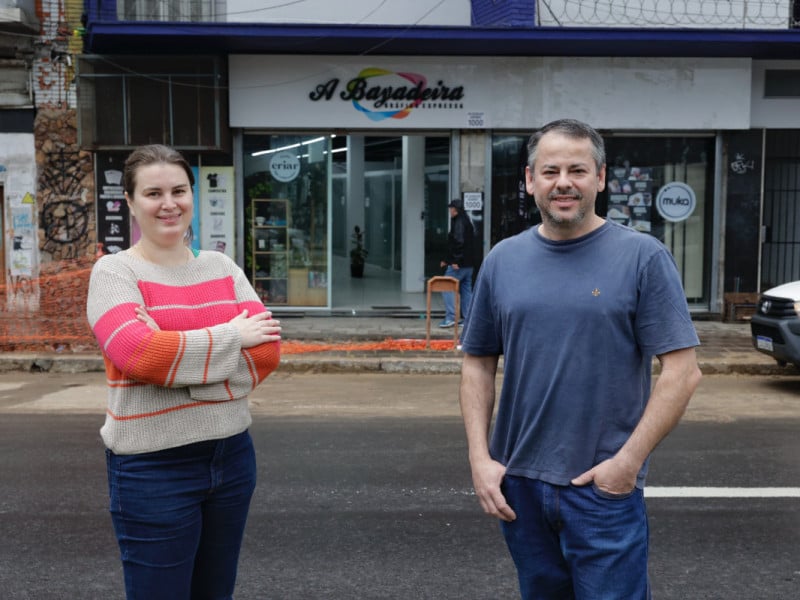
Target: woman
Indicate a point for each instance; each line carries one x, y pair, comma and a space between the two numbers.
185, 339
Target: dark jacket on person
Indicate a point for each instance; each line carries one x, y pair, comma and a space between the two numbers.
461, 241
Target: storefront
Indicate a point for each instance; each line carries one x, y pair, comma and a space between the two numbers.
383, 143
676, 169
306, 193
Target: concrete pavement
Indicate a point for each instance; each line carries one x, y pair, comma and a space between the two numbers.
725, 348
364, 492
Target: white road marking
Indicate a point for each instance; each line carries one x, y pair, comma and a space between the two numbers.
721, 492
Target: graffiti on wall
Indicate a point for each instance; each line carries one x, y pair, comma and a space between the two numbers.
65, 224
64, 216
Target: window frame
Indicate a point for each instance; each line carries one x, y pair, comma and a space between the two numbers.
207, 71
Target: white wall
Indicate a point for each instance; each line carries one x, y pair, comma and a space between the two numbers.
15, 85
350, 12
18, 176
773, 113
19, 11
498, 93
710, 14
649, 93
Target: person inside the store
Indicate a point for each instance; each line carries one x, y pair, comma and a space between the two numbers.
459, 263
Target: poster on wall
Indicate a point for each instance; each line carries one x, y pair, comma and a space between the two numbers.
20, 237
22, 252
630, 197
216, 185
113, 216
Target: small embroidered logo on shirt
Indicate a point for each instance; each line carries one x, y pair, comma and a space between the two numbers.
595, 292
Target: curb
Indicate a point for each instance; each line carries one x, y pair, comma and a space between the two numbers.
69, 363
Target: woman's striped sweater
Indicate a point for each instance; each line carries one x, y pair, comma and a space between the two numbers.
189, 381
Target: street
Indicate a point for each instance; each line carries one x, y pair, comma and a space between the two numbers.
364, 492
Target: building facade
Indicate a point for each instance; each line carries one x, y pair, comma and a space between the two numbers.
46, 180
304, 122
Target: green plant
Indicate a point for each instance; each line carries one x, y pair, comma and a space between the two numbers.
358, 254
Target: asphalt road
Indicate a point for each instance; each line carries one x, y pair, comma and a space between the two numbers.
364, 493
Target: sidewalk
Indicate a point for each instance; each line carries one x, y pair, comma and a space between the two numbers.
342, 344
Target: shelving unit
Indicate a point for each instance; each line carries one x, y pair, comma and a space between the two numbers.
270, 250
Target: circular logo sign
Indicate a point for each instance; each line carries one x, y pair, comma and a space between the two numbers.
284, 166
676, 201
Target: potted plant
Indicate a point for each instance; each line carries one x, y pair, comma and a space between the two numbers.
358, 254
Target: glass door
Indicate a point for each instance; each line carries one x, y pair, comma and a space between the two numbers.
437, 197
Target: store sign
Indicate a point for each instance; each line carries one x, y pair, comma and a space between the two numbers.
479, 92
382, 94
676, 201
284, 166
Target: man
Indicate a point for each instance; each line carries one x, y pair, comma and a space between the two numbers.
459, 263
578, 306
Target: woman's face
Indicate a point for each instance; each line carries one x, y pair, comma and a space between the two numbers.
162, 203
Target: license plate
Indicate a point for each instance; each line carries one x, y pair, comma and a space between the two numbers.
764, 343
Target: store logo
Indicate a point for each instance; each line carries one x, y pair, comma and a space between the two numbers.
376, 93
284, 166
676, 201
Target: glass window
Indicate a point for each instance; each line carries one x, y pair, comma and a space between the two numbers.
286, 217
193, 121
437, 197
383, 194
513, 210
637, 168
127, 101
782, 83
108, 124
149, 111
158, 10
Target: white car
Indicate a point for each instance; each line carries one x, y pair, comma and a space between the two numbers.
775, 326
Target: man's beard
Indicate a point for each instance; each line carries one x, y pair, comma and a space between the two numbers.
557, 220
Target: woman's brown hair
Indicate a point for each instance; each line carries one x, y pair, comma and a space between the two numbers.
151, 154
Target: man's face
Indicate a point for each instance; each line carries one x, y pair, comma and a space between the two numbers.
565, 182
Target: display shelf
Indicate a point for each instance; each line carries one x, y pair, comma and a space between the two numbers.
270, 250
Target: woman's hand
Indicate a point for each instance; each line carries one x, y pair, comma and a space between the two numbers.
255, 330
258, 329
144, 317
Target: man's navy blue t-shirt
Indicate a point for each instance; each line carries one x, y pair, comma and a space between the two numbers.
578, 323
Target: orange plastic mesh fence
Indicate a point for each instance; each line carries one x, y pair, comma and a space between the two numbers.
59, 324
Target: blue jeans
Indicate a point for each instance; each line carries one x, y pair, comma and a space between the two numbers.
464, 276
179, 516
577, 543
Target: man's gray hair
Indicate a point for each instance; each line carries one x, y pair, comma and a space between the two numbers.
570, 128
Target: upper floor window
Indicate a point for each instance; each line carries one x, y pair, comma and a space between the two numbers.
126, 101
159, 10
782, 83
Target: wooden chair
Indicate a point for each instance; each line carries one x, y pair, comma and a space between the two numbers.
440, 283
